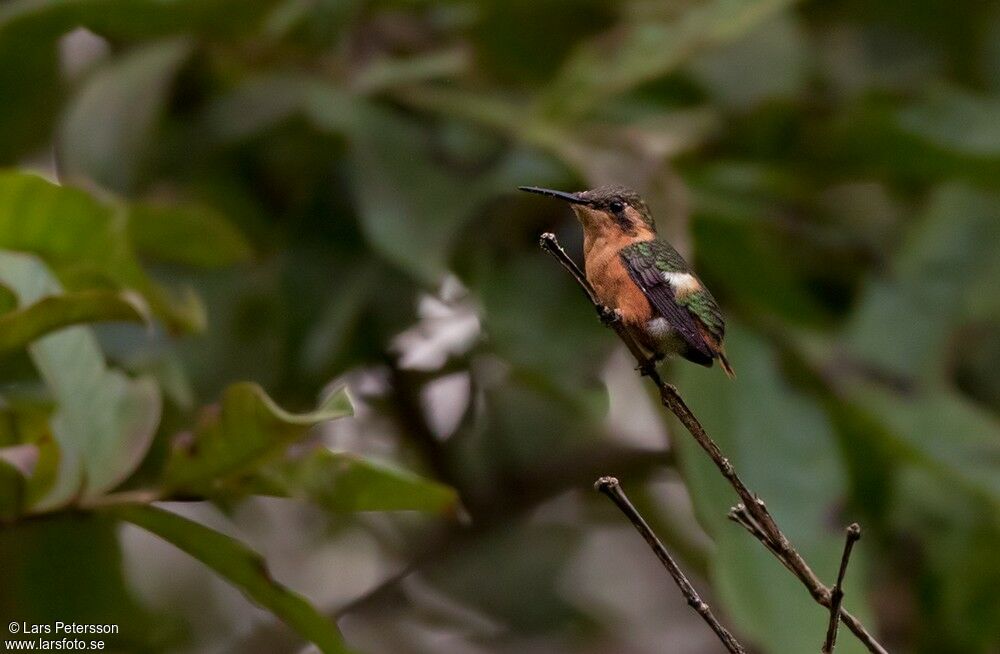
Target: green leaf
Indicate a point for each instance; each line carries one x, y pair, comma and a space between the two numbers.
344, 482
20, 327
647, 48
769, 61
956, 120
84, 241
11, 492
131, 19
71, 564
244, 431
31, 450
255, 105
241, 566
903, 322
108, 128
104, 422
29, 72
8, 299
17, 466
386, 73
941, 431
192, 235
746, 261
22, 458
411, 208
781, 443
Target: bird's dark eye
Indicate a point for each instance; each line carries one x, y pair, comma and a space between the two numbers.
617, 206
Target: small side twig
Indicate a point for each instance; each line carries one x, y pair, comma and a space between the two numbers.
610, 487
761, 523
837, 593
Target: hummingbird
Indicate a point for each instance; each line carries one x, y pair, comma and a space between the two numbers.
643, 279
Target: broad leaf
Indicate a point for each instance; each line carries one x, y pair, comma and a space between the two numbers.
645, 49
20, 327
130, 19
941, 431
71, 564
187, 234
23, 469
108, 129
956, 120
245, 430
345, 482
104, 421
410, 208
903, 322
84, 241
241, 566
22, 458
29, 56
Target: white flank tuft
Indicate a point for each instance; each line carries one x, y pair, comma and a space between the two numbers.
658, 327
682, 282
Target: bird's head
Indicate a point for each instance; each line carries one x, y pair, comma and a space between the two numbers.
606, 208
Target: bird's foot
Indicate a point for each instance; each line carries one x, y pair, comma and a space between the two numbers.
648, 367
608, 315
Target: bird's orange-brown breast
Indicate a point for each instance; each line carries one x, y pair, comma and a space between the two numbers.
607, 274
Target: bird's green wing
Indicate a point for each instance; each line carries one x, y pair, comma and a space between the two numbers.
646, 263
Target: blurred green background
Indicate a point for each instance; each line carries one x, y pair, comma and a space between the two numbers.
308, 194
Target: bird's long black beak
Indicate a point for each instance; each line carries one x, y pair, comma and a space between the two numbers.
573, 198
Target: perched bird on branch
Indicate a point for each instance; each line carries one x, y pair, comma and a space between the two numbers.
650, 287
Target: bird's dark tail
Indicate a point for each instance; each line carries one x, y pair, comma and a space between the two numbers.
724, 364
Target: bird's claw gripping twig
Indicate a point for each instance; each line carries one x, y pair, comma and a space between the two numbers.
608, 315
648, 367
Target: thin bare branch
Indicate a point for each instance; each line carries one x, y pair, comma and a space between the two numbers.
837, 594
765, 528
612, 488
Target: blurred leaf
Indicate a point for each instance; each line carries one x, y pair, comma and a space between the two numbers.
192, 235
17, 466
344, 482
768, 62
411, 207
245, 430
107, 132
781, 443
956, 120
959, 571
521, 41
46, 471
332, 332
941, 431
754, 271
524, 562
29, 72
902, 323
22, 458
132, 19
385, 73
83, 241
255, 104
8, 299
241, 566
104, 422
557, 310
28, 435
649, 47
11, 492
71, 564
20, 327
